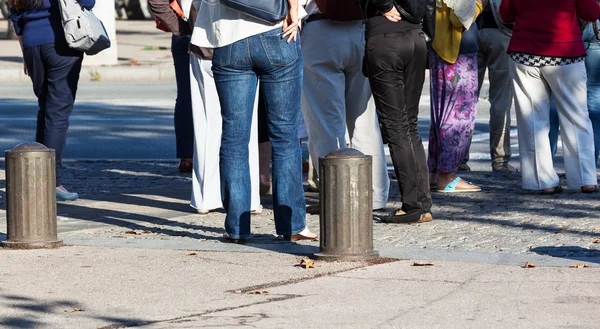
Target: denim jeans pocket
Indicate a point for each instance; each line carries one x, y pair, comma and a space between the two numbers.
222, 56
278, 50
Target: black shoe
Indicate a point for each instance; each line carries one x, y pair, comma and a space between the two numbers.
412, 216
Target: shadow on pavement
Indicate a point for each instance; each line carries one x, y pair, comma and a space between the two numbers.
30, 312
570, 252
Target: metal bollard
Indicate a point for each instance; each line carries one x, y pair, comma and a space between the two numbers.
346, 195
31, 197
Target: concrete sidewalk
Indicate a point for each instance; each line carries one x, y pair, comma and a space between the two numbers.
144, 55
132, 233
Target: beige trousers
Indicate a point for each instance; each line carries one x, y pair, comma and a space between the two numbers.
532, 89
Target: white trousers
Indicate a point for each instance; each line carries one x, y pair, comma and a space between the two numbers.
206, 110
533, 87
337, 103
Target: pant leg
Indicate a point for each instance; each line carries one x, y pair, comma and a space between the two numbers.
532, 103
37, 72
501, 97
569, 87
453, 110
279, 65
184, 122
361, 116
323, 98
237, 86
62, 70
396, 73
206, 110
592, 65
554, 131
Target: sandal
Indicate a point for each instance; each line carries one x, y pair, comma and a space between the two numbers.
594, 190
553, 190
453, 187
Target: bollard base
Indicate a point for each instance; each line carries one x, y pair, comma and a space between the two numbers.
333, 257
31, 245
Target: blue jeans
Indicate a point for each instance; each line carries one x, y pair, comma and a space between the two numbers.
237, 68
592, 65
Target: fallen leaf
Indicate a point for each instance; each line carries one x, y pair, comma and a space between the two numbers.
133, 63
146, 232
422, 264
130, 232
192, 254
529, 265
597, 228
596, 241
73, 310
258, 292
238, 292
579, 266
307, 263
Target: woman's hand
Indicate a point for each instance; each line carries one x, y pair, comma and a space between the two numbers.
291, 22
393, 15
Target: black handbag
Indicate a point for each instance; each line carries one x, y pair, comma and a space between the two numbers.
270, 11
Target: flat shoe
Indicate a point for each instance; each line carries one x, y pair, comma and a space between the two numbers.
186, 166
595, 190
65, 196
555, 190
301, 236
402, 218
505, 169
228, 238
453, 188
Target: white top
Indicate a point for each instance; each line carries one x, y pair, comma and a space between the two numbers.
219, 26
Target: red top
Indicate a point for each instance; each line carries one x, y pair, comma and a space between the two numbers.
548, 27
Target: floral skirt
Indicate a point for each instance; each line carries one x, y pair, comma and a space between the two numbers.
454, 96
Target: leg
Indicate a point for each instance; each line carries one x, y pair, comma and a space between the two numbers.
280, 67
184, 122
532, 105
454, 108
386, 67
568, 85
62, 71
237, 86
361, 118
501, 99
264, 146
206, 110
37, 72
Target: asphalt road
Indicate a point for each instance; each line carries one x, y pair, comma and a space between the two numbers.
132, 120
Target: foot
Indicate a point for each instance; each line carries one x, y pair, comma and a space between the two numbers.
306, 234
590, 189
461, 185
505, 168
202, 211
257, 211
62, 194
186, 166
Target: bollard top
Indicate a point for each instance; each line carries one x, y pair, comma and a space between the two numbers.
29, 147
346, 153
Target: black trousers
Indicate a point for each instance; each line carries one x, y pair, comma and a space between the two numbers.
184, 121
54, 72
395, 65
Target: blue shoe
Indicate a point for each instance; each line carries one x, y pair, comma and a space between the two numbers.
65, 196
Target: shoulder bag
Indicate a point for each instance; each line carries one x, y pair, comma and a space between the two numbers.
270, 11
83, 30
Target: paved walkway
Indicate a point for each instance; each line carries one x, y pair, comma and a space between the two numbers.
144, 54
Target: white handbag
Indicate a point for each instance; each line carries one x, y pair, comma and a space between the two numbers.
83, 30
